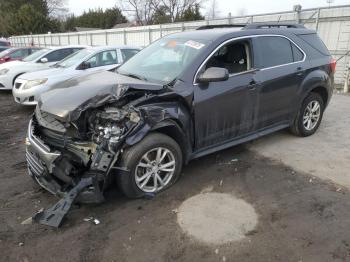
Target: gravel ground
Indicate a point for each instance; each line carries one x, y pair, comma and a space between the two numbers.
300, 217
325, 154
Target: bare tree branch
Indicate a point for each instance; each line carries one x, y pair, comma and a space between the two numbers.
143, 10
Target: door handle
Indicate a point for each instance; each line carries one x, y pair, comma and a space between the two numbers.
252, 84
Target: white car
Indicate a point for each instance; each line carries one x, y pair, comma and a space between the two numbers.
28, 87
39, 60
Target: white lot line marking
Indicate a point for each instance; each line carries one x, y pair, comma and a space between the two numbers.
216, 218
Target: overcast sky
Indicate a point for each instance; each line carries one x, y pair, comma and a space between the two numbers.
225, 6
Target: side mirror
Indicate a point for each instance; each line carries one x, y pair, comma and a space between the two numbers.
213, 74
7, 58
44, 60
84, 66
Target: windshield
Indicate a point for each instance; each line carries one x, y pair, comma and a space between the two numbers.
162, 61
74, 58
35, 55
5, 52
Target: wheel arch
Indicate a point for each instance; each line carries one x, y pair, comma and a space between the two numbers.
14, 79
322, 91
173, 129
319, 82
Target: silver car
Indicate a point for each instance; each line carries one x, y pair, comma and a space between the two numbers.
28, 87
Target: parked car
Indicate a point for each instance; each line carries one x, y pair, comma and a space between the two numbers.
39, 60
28, 87
16, 53
184, 96
3, 48
4, 42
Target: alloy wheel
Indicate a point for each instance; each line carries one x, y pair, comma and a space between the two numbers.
155, 170
312, 115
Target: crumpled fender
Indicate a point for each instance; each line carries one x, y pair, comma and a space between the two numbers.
162, 116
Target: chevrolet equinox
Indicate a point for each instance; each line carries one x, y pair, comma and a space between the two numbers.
184, 96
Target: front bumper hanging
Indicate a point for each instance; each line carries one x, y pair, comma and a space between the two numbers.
54, 215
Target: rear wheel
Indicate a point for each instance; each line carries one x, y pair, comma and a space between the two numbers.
309, 116
155, 164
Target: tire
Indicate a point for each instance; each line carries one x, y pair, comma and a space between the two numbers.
299, 128
133, 159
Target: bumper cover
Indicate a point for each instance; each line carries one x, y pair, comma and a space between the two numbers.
40, 159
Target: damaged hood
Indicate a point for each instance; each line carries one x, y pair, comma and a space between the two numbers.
69, 98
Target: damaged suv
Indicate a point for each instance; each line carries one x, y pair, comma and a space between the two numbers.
184, 96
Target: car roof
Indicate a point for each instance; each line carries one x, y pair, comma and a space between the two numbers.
66, 46
97, 48
218, 33
14, 48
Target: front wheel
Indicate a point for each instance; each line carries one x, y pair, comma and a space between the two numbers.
154, 163
309, 116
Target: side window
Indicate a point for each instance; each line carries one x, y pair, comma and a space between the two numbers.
297, 54
315, 42
19, 53
58, 55
128, 53
273, 51
75, 50
234, 56
33, 50
104, 58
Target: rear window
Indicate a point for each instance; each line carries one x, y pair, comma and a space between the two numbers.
316, 42
273, 51
128, 53
297, 54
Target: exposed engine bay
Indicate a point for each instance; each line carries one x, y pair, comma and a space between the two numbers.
88, 149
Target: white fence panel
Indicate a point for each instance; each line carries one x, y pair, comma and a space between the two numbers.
332, 24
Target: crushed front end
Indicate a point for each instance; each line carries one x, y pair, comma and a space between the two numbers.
60, 154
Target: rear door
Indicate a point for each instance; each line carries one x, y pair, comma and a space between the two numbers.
281, 64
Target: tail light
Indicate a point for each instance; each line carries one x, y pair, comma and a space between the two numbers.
333, 65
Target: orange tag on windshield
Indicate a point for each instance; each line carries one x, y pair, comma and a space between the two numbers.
171, 44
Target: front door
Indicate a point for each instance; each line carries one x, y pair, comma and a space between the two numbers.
225, 110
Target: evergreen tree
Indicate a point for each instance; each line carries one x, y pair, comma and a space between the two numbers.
96, 18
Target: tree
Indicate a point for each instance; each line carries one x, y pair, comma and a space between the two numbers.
28, 20
96, 18
213, 9
57, 9
177, 8
148, 12
142, 10
25, 17
161, 16
191, 14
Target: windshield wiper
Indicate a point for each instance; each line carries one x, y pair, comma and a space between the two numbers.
56, 66
135, 76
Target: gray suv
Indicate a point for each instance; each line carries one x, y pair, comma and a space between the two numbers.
184, 96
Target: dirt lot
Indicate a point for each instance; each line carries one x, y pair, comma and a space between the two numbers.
300, 217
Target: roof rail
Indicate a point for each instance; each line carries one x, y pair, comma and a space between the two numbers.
204, 27
272, 25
